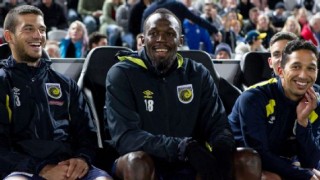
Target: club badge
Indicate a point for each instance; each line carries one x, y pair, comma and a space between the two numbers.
185, 93
54, 90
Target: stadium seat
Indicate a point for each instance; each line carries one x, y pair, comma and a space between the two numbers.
92, 82
227, 92
57, 34
254, 68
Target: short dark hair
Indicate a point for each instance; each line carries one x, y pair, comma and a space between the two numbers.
296, 45
165, 13
95, 38
282, 36
11, 19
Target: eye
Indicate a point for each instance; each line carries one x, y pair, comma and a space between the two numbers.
28, 29
312, 68
276, 55
295, 67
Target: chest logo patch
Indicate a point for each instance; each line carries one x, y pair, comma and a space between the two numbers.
185, 93
53, 90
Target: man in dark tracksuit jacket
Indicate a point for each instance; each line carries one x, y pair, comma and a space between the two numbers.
265, 118
151, 112
46, 129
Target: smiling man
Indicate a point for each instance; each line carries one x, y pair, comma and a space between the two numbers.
163, 111
46, 129
280, 118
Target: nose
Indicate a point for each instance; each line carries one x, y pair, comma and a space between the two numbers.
304, 73
37, 34
161, 37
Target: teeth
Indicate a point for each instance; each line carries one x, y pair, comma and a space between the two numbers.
161, 50
301, 83
35, 44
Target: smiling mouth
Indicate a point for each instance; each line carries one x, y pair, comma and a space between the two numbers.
161, 50
301, 84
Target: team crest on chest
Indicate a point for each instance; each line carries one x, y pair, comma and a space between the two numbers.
53, 90
185, 93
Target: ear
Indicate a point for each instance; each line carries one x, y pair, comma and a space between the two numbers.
280, 71
270, 62
7, 36
181, 41
142, 39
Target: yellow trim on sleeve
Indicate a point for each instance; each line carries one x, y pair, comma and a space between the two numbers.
269, 81
313, 116
8, 108
270, 107
134, 60
208, 147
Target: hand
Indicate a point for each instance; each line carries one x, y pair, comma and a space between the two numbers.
314, 177
97, 13
217, 37
306, 105
54, 172
203, 161
316, 173
77, 168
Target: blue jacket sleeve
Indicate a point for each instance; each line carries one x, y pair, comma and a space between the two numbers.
252, 117
308, 140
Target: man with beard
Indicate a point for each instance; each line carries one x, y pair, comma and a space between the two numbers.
163, 111
46, 129
279, 118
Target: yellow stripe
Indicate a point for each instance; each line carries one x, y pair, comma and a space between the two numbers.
269, 81
270, 107
142, 64
313, 116
208, 147
180, 60
134, 60
8, 108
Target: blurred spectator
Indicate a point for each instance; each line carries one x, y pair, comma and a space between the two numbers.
253, 20
244, 7
195, 36
278, 16
122, 19
135, 18
54, 15
91, 10
264, 26
292, 4
228, 35
75, 43
210, 13
302, 16
97, 39
72, 14
253, 42
7, 5
311, 32
235, 26
108, 22
181, 11
53, 49
139, 41
292, 25
227, 6
223, 51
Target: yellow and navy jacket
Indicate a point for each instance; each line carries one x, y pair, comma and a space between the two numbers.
44, 119
265, 119
154, 112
